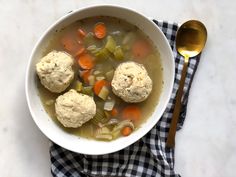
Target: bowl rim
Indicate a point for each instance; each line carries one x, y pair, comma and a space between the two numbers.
58, 21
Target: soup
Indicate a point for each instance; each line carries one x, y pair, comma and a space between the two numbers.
99, 45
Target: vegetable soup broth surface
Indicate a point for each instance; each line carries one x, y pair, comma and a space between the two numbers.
118, 29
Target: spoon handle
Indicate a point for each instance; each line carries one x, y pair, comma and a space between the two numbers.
174, 121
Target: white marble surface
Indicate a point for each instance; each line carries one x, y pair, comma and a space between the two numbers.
206, 146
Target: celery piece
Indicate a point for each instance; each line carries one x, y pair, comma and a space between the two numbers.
110, 44
87, 90
116, 134
109, 75
93, 49
91, 80
126, 47
78, 86
99, 117
118, 53
107, 114
102, 53
89, 39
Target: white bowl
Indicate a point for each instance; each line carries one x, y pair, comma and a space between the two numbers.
82, 145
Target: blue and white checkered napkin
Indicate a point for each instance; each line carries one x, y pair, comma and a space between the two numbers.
148, 157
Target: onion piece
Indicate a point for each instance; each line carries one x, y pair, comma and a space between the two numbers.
123, 124
103, 93
97, 72
103, 133
109, 105
98, 78
112, 122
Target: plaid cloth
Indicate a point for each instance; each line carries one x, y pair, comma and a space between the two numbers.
149, 156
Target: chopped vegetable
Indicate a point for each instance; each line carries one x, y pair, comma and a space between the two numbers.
126, 47
117, 129
109, 104
97, 72
100, 30
91, 80
102, 53
78, 86
109, 75
112, 122
118, 36
103, 93
88, 90
125, 127
85, 75
81, 33
141, 49
86, 61
116, 134
126, 131
70, 44
98, 78
99, 85
131, 112
114, 112
89, 39
118, 53
49, 102
80, 52
104, 136
99, 117
129, 38
117, 33
122, 124
103, 133
110, 44
93, 49
104, 130
107, 114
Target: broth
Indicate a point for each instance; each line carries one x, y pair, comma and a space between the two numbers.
118, 29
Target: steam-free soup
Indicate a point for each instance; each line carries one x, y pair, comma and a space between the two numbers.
103, 43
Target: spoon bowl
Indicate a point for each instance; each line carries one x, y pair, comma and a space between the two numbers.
191, 38
190, 41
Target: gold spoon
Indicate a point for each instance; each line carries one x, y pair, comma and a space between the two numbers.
190, 40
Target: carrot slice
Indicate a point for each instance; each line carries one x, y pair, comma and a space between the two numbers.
114, 112
81, 33
100, 30
69, 44
80, 52
85, 75
98, 86
126, 131
86, 61
141, 49
131, 112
